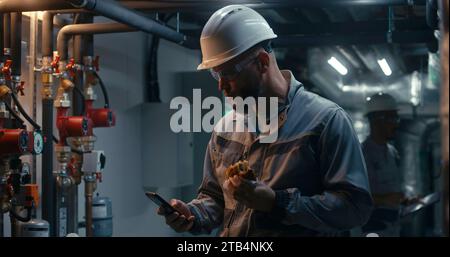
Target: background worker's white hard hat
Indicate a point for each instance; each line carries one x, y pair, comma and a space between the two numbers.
231, 31
381, 102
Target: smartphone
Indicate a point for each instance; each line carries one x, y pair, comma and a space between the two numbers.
168, 209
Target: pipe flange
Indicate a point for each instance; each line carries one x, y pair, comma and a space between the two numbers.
90, 94
62, 149
63, 181
89, 177
62, 101
15, 79
88, 142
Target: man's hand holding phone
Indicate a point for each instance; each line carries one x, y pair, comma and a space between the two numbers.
181, 220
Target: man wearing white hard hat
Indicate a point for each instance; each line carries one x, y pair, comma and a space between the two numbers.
311, 181
382, 160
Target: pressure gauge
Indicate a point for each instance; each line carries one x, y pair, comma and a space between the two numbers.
38, 142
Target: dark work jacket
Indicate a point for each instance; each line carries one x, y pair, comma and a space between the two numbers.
315, 166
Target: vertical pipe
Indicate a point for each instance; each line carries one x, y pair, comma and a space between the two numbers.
72, 201
89, 188
1, 38
32, 76
89, 191
48, 181
6, 34
89, 39
47, 33
445, 110
16, 43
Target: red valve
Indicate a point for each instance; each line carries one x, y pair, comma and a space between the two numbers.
95, 63
55, 63
98, 176
71, 167
6, 70
21, 87
71, 67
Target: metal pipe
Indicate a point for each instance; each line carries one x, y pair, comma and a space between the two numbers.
79, 29
6, 34
16, 44
47, 33
79, 43
34, 23
367, 38
1, 38
33, 5
115, 11
48, 181
89, 39
89, 184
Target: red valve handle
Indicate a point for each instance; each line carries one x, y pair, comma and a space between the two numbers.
55, 63
6, 70
98, 176
21, 87
70, 67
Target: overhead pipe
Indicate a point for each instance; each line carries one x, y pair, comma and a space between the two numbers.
115, 11
80, 29
367, 38
33, 5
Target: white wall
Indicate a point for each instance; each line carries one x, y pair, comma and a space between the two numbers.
121, 67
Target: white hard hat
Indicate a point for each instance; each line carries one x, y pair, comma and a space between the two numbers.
381, 102
231, 31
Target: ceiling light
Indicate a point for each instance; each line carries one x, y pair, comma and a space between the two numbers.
337, 66
385, 67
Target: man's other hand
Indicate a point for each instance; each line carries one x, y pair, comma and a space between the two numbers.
255, 195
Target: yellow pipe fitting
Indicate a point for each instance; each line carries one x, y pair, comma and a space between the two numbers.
4, 91
46, 78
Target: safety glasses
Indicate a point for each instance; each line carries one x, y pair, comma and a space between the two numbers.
231, 73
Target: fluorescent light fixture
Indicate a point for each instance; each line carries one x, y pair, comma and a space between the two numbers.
337, 65
385, 67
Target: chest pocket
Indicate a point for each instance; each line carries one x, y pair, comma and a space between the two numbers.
225, 153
